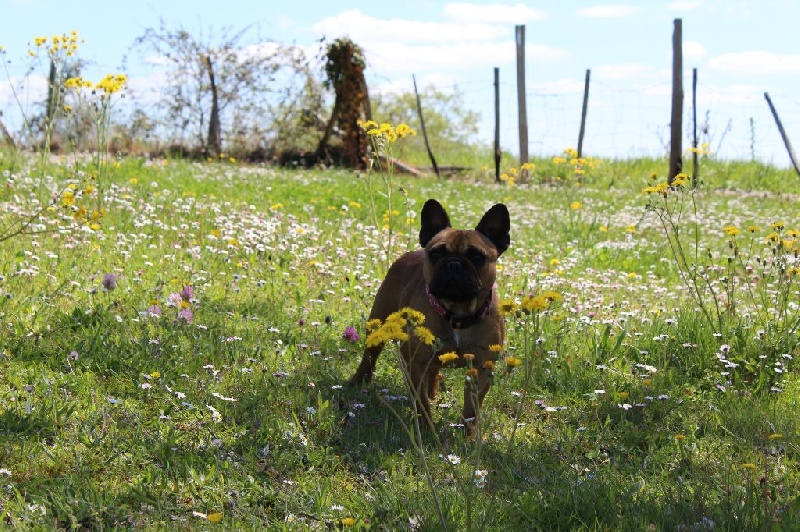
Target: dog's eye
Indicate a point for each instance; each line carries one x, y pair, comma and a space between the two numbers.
477, 258
436, 254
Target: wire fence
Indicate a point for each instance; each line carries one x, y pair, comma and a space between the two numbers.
625, 122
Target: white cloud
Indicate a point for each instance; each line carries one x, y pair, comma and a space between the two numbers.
607, 11
684, 5
756, 63
731, 94
493, 13
560, 86
622, 70
388, 56
693, 50
364, 28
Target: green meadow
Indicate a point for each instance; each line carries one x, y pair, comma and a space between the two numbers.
173, 351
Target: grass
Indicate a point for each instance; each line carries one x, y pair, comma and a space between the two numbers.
113, 417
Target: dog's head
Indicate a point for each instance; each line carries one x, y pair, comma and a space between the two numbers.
460, 263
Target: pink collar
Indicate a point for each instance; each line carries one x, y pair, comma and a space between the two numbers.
459, 322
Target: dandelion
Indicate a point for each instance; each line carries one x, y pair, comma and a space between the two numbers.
448, 357
731, 230
425, 335
348, 521
513, 362
350, 334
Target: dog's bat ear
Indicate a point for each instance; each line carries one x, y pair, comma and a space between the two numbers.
434, 219
496, 225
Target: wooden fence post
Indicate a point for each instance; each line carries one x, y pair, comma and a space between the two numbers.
583, 113
782, 131
522, 108
422, 126
497, 152
676, 122
695, 164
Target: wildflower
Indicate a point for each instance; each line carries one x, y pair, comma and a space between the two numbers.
480, 478
154, 311
489, 364
68, 198
109, 282
174, 299
350, 334
453, 459
730, 230
348, 521
513, 362
575, 205
495, 348
186, 315
187, 294
507, 306
680, 437
535, 303
155, 374
214, 517
446, 358
424, 334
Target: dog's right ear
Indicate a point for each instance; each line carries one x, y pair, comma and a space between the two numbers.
434, 219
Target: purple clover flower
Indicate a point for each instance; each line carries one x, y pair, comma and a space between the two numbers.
186, 315
350, 334
187, 294
109, 281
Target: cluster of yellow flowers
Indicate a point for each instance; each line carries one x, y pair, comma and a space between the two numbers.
531, 303
396, 327
69, 199
386, 131
110, 84
57, 43
579, 164
510, 177
664, 188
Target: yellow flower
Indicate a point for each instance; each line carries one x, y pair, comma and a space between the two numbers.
748, 465
575, 205
680, 437
778, 225
348, 521
535, 303
495, 348
507, 306
424, 334
776, 436
155, 374
552, 295
513, 362
730, 230
489, 364
68, 198
215, 517
446, 358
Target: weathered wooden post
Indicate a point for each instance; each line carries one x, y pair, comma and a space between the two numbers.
782, 131
424, 132
497, 152
521, 105
676, 122
583, 113
695, 164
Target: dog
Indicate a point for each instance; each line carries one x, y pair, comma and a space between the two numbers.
451, 281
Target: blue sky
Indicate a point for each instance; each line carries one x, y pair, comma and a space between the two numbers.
740, 48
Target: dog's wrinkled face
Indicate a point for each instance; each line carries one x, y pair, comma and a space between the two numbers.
460, 263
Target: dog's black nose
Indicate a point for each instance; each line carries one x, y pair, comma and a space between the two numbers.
454, 265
